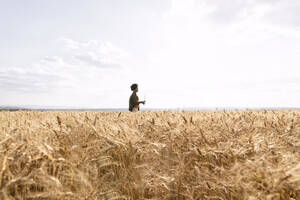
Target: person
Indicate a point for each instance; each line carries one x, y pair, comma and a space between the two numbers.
134, 103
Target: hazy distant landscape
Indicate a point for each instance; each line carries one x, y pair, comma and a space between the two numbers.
39, 108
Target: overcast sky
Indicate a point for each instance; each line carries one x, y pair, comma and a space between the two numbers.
182, 53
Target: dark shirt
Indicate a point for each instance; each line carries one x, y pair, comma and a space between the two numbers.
133, 101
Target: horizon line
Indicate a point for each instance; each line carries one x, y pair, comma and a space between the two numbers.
70, 108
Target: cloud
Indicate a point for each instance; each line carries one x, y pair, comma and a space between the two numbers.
28, 80
274, 11
79, 68
95, 53
237, 21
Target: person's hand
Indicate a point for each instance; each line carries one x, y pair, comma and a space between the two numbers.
144, 102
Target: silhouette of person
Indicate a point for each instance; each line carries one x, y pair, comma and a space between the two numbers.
134, 103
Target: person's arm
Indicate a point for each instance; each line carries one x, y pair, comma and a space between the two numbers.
137, 98
136, 102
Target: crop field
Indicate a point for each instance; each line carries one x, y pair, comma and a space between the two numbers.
150, 155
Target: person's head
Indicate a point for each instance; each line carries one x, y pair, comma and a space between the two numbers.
134, 87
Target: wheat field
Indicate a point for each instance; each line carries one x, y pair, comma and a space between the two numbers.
150, 155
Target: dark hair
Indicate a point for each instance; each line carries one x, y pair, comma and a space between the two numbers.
133, 86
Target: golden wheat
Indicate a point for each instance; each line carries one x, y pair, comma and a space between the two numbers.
150, 155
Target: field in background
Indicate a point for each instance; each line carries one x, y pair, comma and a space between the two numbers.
150, 155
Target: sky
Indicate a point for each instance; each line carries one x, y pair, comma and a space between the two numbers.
182, 53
